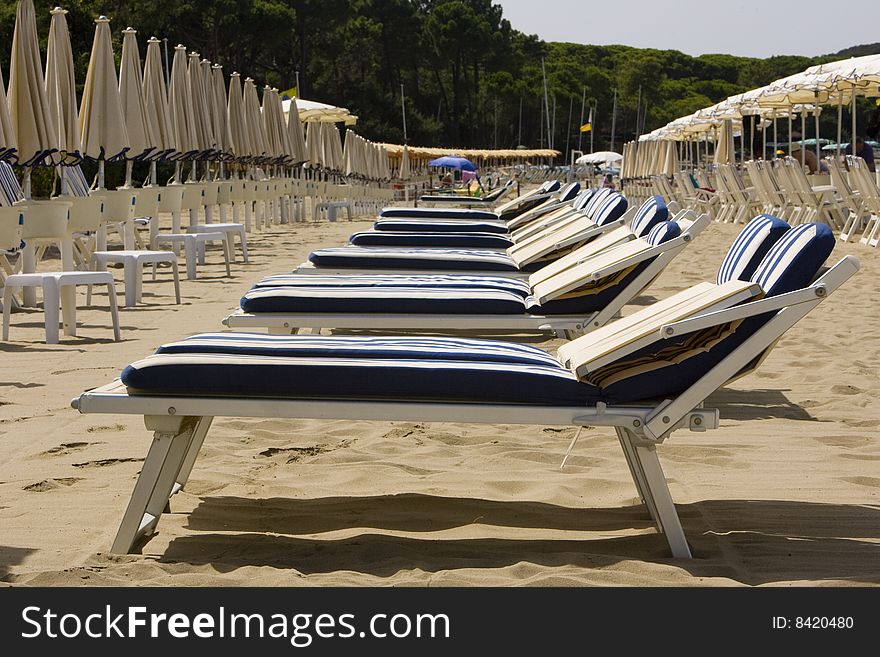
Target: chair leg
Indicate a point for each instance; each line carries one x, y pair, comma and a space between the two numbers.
176, 272
242, 238
227, 257
154, 485
638, 476
51, 303
114, 311
130, 276
192, 452
7, 309
191, 259
68, 309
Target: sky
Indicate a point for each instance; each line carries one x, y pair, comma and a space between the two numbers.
759, 28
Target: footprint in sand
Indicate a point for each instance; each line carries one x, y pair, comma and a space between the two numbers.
104, 428
295, 454
51, 484
67, 448
870, 482
100, 463
846, 390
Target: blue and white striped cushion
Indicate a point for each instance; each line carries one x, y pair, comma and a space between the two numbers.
569, 192
651, 212
550, 186
595, 201
391, 258
794, 260
435, 281
750, 247
441, 226
613, 207
663, 232
9, 185
334, 367
470, 240
439, 213
582, 199
76, 181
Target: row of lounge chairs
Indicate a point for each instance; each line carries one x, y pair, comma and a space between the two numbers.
646, 374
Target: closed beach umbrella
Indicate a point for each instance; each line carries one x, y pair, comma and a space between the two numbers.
278, 117
180, 104
724, 147
158, 120
131, 95
295, 130
270, 128
60, 85
218, 109
405, 173
32, 124
102, 125
240, 145
335, 144
204, 138
253, 120
7, 134
313, 144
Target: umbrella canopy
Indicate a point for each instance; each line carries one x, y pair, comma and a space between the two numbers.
160, 130
405, 173
334, 143
314, 148
240, 146
218, 110
724, 147
102, 125
600, 157
453, 162
7, 134
131, 95
295, 131
253, 120
204, 136
272, 129
60, 85
180, 108
310, 110
32, 124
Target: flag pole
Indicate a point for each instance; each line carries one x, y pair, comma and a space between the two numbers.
592, 118
581, 134
613, 120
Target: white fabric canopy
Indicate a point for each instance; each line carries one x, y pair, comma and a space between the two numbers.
131, 95
60, 84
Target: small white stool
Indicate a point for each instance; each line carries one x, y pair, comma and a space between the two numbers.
52, 283
133, 274
230, 230
194, 246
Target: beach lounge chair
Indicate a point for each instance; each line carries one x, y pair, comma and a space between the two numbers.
677, 351
487, 200
574, 299
528, 254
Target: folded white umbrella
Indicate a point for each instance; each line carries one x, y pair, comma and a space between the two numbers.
405, 173
295, 131
102, 125
61, 86
724, 147
218, 110
35, 134
240, 145
180, 104
253, 120
204, 137
278, 117
313, 144
158, 120
131, 95
270, 128
7, 134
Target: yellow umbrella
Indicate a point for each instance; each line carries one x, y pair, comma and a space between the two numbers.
102, 126
32, 124
159, 126
61, 87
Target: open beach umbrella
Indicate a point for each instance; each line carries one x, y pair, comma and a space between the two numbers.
600, 157
253, 120
158, 120
61, 87
7, 134
453, 162
238, 132
131, 95
35, 134
102, 125
180, 105
295, 131
218, 110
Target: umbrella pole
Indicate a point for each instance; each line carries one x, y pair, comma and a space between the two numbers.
775, 137
177, 172
152, 173
839, 123
26, 184
803, 134
789, 133
852, 138
101, 173
816, 120
129, 165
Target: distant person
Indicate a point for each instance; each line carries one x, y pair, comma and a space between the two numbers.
446, 180
608, 182
864, 151
809, 159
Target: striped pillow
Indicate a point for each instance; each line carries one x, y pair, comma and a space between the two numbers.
652, 212
663, 232
747, 251
795, 259
403, 258
596, 200
611, 209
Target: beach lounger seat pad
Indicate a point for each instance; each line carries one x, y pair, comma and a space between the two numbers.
440, 226
473, 240
412, 258
439, 213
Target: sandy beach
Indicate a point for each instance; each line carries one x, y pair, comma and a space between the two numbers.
786, 492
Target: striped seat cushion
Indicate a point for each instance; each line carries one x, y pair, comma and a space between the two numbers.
595, 201
438, 213
651, 213
750, 247
670, 366
9, 186
339, 367
440, 226
76, 181
611, 209
434, 240
445, 281
356, 257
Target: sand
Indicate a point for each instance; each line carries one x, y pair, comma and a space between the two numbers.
784, 493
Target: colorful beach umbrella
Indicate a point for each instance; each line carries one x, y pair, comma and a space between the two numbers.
453, 162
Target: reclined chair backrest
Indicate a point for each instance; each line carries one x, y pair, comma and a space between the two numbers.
652, 212
596, 200
749, 249
611, 209
9, 186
